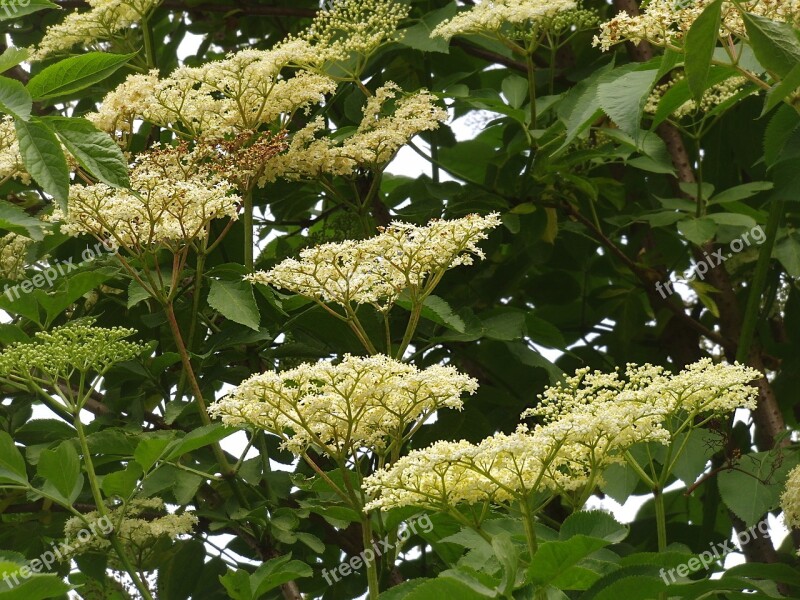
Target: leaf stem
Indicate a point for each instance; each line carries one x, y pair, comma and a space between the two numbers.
103, 511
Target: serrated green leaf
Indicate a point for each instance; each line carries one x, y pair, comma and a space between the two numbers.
14, 9
554, 559
12, 57
16, 220
151, 449
438, 589
202, 436
61, 468
94, 150
755, 487
741, 192
15, 99
276, 572
234, 300
44, 159
783, 128
774, 43
515, 89
173, 582
698, 231
782, 89
787, 251
701, 39
75, 73
620, 481
12, 465
732, 219
622, 94
593, 523
36, 587
122, 483
419, 36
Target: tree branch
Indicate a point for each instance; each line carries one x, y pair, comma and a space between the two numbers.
240, 8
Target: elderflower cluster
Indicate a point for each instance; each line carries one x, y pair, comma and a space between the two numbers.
790, 499
350, 28
376, 270
501, 468
222, 98
138, 525
104, 20
701, 388
714, 96
360, 402
491, 16
374, 144
666, 22
588, 422
13, 252
11, 165
170, 203
76, 347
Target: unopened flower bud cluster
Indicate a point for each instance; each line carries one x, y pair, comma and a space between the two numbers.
76, 347
138, 525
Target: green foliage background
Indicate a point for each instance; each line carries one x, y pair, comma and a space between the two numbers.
599, 203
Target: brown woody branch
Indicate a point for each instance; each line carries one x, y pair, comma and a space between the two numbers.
240, 8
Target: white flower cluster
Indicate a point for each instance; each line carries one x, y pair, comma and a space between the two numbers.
374, 144
350, 29
701, 388
239, 93
376, 270
338, 409
714, 96
142, 523
13, 253
490, 16
589, 421
790, 500
76, 347
170, 203
103, 21
247, 89
11, 165
665, 22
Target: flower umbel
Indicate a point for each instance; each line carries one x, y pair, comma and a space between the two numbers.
338, 409
589, 421
171, 202
376, 270
138, 525
78, 347
102, 22
790, 499
372, 146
